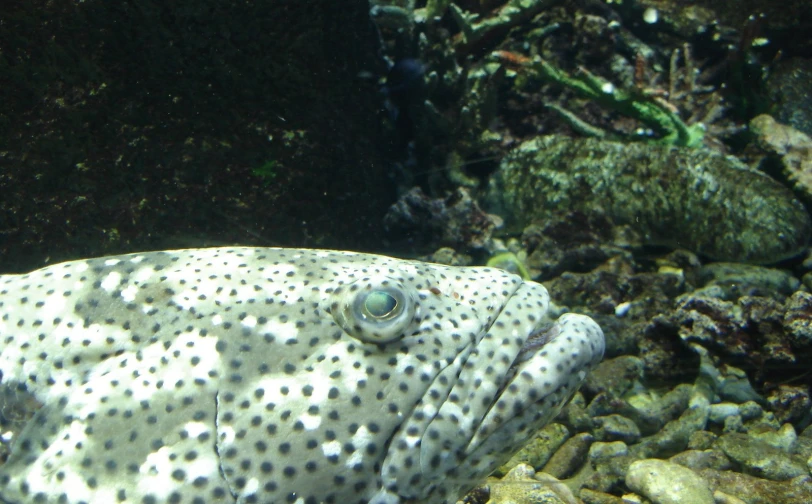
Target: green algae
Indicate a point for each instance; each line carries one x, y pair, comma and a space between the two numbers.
694, 199
509, 262
654, 114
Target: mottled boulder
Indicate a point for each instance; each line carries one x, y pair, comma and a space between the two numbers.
788, 148
684, 198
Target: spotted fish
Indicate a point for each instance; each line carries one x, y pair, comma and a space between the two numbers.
271, 375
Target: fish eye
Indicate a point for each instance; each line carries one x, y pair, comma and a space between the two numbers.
375, 310
380, 305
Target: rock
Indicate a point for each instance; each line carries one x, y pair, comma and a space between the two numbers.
736, 280
734, 385
456, 221
790, 403
723, 498
788, 87
538, 450
733, 423
723, 411
664, 482
702, 459
785, 438
522, 485
798, 319
616, 428
570, 456
590, 496
687, 198
449, 256
600, 451
750, 410
674, 437
720, 411
702, 440
575, 242
789, 148
751, 328
577, 415
605, 290
616, 376
760, 459
803, 447
650, 412
754, 490
605, 472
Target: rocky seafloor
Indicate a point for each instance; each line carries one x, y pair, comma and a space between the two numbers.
600, 148
703, 396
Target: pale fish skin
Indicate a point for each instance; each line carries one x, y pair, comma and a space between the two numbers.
273, 375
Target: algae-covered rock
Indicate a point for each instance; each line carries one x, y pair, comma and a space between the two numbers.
736, 280
760, 459
753, 490
538, 451
790, 148
685, 198
522, 484
798, 319
570, 456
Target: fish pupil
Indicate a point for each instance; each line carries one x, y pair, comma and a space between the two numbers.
380, 304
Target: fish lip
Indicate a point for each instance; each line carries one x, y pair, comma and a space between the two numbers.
546, 371
542, 334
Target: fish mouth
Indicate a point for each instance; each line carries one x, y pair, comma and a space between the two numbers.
519, 370
540, 336
546, 370
536, 340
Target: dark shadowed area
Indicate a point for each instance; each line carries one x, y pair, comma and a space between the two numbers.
146, 124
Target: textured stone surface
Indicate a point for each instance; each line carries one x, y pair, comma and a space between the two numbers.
754, 490
538, 450
798, 319
664, 482
685, 198
735, 280
523, 485
789, 148
760, 459
570, 456
788, 88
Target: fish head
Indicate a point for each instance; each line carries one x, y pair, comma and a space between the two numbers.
278, 375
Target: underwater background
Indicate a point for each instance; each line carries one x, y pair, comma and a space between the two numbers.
648, 161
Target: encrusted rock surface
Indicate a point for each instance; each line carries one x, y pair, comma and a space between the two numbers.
665, 192
664, 482
790, 148
713, 405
